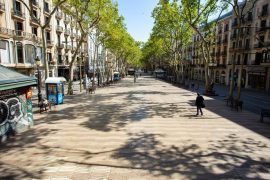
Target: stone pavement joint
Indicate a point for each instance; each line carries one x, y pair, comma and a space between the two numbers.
142, 130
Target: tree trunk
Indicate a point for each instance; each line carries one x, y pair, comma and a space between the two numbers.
94, 64
240, 81
70, 82
81, 74
44, 49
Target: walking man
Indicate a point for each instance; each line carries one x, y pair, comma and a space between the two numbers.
199, 103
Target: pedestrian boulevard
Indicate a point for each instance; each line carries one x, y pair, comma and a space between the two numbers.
142, 130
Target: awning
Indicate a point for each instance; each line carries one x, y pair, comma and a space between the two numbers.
10, 79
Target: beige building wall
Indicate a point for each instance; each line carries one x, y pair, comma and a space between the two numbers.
20, 38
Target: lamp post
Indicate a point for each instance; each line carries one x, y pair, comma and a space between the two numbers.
38, 62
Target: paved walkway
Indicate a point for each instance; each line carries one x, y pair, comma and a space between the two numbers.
136, 131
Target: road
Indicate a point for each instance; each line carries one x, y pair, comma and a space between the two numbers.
146, 130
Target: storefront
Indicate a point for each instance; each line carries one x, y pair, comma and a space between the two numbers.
256, 77
15, 102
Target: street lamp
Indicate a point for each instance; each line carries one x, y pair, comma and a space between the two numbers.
38, 62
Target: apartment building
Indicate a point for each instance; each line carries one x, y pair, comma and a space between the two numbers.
21, 43
247, 46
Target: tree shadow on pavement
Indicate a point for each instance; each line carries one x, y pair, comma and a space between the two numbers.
227, 158
146, 152
243, 118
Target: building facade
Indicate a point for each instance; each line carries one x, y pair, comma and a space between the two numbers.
244, 45
21, 39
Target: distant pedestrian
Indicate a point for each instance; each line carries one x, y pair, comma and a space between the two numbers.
199, 103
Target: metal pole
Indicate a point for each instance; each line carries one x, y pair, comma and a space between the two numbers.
39, 88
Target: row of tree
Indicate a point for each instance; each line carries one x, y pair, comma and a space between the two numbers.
98, 19
175, 23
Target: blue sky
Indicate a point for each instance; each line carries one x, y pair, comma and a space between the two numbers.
138, 18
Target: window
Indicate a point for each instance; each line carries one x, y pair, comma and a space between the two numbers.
49, 57
18, 7
59, 59
48, 36
265, 10
263, 23
58, 39
67, 60
19, 52
35, 13
19, 28
46, 7
238, 59
247, 43
34, 31
58, 22
46, 18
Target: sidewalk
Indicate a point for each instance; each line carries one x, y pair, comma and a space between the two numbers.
253, 100
142, 130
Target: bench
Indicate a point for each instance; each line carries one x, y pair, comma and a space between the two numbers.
264, 113
43, 105
92, 89
234, 103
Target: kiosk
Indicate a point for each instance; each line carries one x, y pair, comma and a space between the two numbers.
55, 89
15, 102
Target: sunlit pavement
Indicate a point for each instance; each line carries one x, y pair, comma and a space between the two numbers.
146, 130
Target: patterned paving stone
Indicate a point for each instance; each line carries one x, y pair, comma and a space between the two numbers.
146, 130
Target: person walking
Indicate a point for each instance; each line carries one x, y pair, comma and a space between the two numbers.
199, 103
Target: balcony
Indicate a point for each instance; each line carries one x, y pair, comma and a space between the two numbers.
35, 4
58, 15
232, 49
224, 53
17, 14
49, 43
49, 27
60, 46
6, 33
261, 45
234, 24
67, 32
2, 7
52, 63
73, 24
221, 65
78, 37
73, 49
263, 14
28, 36
34, 21
36, 39
19, 34
265, 61
262, 29
233, 36
59, 29
72, 35
46, 10
248, 19
68, 47
66, 19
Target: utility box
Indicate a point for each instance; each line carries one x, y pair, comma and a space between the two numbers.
55, 89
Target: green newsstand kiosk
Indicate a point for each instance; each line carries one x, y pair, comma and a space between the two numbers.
15, 102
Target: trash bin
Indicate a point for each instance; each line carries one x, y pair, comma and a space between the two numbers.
55, 89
